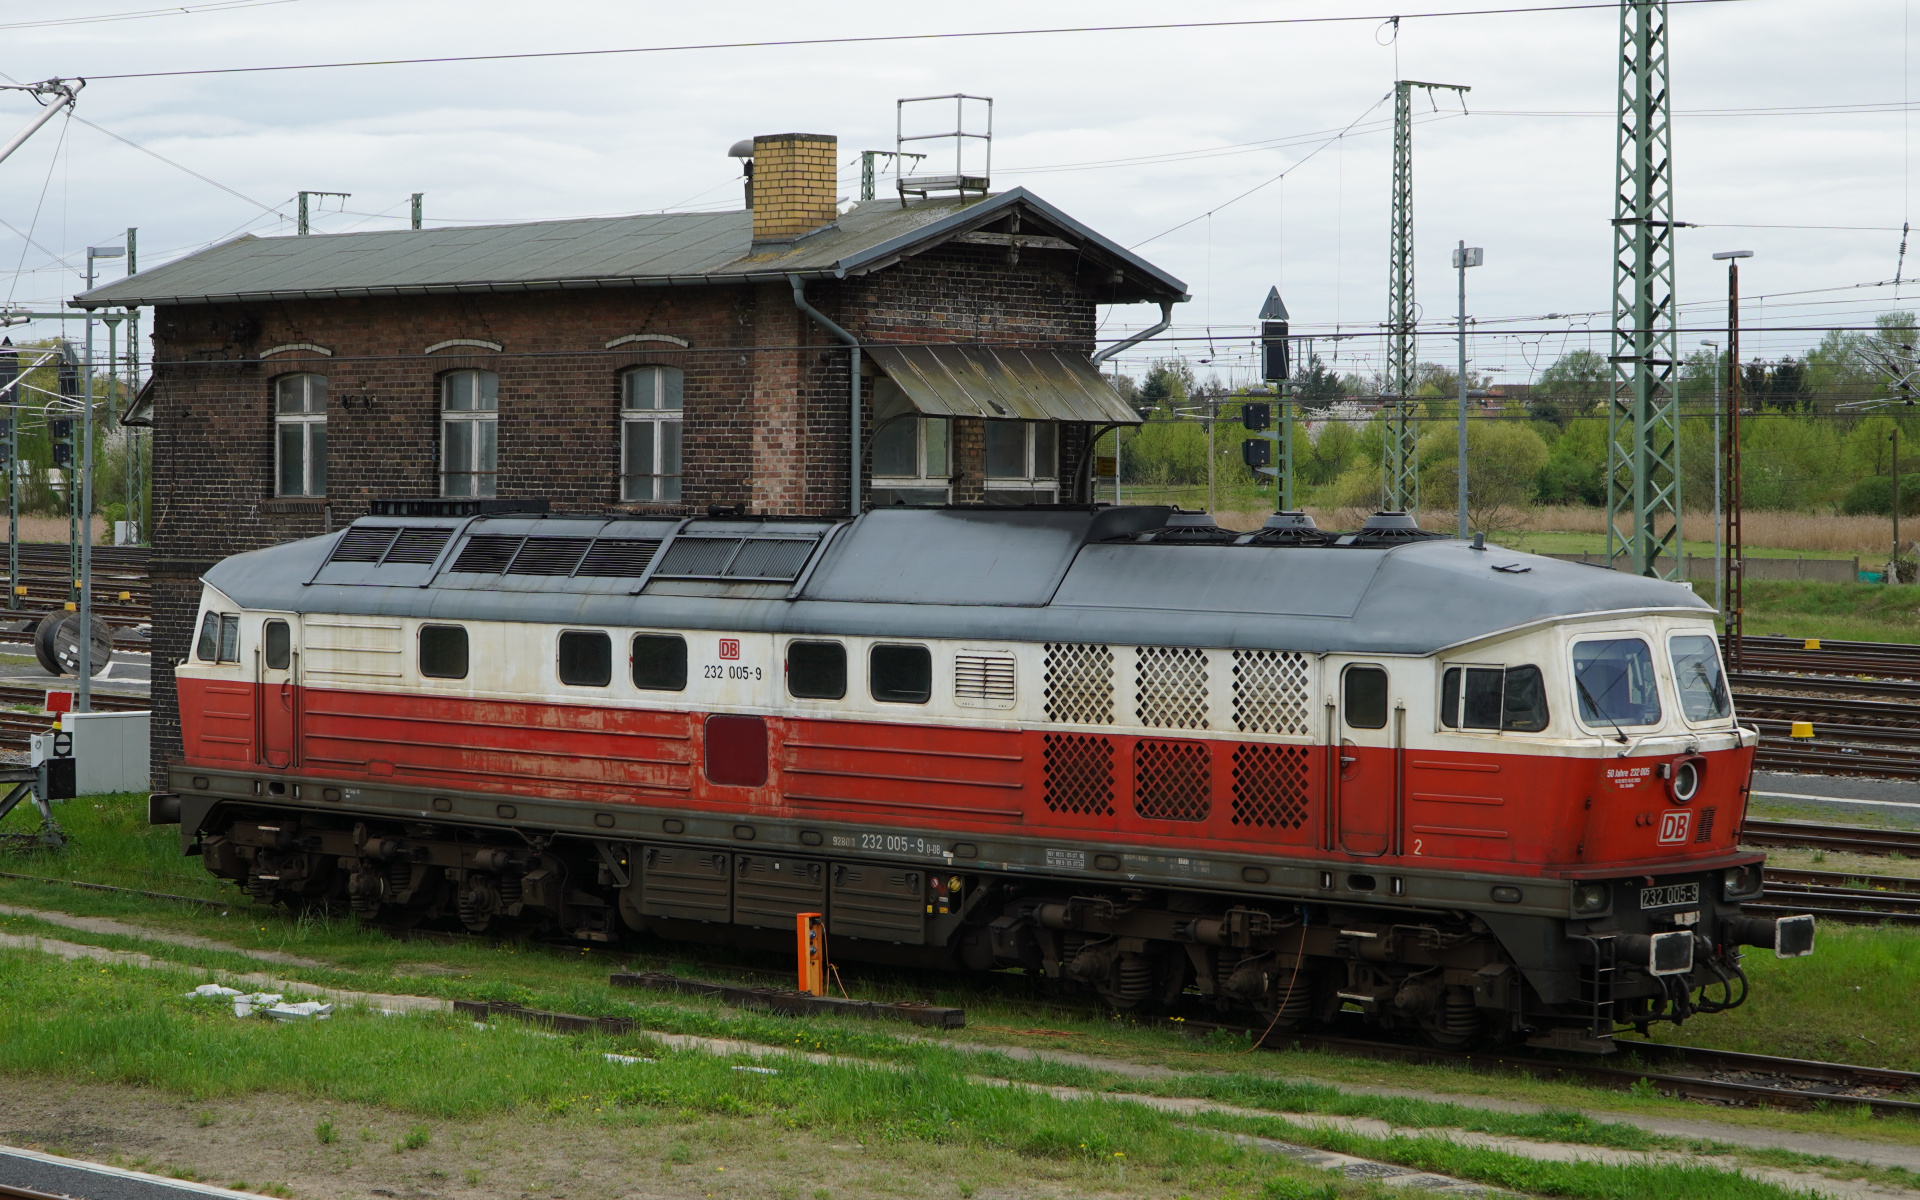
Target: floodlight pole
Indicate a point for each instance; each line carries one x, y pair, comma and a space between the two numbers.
1893, 574
1719, 567
1735, 567
1463, 258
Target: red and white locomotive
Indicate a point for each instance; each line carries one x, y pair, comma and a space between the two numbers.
1456, 788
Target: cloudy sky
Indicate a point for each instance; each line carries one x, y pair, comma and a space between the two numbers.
1790, 139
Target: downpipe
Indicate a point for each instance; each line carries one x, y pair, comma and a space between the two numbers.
853, 399
1166, 319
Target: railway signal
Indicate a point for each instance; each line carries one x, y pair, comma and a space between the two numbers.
1276, 368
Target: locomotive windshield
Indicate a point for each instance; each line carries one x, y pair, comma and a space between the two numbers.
1615, 682
1696, 668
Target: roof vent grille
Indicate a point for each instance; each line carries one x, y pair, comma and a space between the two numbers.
550, 556
618, 558
771, 558
364, 544
417, 547
487, 554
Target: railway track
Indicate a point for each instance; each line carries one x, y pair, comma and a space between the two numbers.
1814, 835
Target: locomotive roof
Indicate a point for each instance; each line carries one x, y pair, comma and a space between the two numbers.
1059, 574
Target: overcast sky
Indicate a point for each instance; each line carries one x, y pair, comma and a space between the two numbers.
1765, 142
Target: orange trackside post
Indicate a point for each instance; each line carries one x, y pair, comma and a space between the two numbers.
810, 932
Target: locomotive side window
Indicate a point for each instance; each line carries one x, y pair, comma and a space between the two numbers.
817, 670
279, 645
1512, 699
219, 638
586, 658
900, 674
1615, 683
1364, 697
1703, 687
660, 662
443, 651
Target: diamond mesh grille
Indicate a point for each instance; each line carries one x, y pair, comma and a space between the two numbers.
1270, 786
1172, 780
1172, 688
1079, 684
1270, 692
1079, 774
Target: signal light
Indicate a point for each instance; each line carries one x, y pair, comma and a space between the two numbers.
1256, 417
60, 429
62, 454
1256, 452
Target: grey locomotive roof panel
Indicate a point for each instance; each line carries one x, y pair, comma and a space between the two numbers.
652, 249
1009, 575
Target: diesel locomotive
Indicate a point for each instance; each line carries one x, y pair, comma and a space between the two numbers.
1461, 791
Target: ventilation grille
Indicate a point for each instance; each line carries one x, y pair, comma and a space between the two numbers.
487, 554
771, 558
1079, 684
983, 681
1706, 826
1172, 780
549, 556
1079, 775
698, 557
1270, 692
1172, 688
364, 545
618, 558
417, 547
1270, 786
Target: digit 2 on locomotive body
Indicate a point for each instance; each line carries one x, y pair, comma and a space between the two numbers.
1455, 789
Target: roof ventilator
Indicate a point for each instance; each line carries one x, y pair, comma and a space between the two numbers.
1190, 529
742, 559
1384, 530
1293, 528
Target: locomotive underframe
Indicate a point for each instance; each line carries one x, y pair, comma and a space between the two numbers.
1454, 955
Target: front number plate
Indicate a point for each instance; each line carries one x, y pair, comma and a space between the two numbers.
1669, 896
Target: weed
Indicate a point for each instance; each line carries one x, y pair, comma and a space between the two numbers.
325, 1133
414, 1139
473, 1177
680, 1153
1643, 1088
966, 1190
238, 1185
1819, 856
366, 1135
277, 1189
183, 1173
1293, 1189
205, 1118
824, 1194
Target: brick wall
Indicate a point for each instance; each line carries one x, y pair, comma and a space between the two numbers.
765, 418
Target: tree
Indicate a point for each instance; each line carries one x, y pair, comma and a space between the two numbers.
1576, 385
1314, 384
1168, 384
1504, 459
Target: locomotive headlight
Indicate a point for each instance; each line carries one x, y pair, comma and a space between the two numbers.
1589, 897
1683, 781
1739, 882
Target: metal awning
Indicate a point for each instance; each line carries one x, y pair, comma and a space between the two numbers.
1003, 384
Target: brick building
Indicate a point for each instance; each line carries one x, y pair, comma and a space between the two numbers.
667, 362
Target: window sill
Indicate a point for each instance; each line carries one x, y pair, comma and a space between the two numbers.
294, 504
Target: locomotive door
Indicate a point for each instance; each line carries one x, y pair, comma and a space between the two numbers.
278, 692
1365, 779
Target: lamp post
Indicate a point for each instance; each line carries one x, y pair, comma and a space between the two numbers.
1735, 569
1463, 257
1893, 568
1717, 578
83, 694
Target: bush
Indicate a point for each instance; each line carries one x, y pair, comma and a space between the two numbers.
1874, 497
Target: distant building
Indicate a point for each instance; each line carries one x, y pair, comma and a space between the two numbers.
664, 362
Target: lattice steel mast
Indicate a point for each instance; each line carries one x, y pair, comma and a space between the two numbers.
1400, 463
1643, 474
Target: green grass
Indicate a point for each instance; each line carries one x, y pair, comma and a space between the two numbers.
77, 1021
1841, 611
1564, 542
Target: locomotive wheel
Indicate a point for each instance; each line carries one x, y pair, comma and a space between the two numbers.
1452, 1023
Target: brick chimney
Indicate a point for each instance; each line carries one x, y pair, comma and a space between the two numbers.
795, 176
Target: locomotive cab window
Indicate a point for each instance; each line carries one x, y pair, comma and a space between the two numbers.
900, 674
817, 670
660, 662
1614, 681
1702, 684
219, 638
586, 658
443, 651
278, 641
1363, 697
1513, 699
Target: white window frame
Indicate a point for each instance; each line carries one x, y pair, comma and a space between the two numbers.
1030, 481
654, 396
922, 478
485, 390
310, 418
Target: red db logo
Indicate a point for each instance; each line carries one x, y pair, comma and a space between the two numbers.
1673, 827
730, 648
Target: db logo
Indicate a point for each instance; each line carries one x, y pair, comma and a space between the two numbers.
730, 648
1673, 827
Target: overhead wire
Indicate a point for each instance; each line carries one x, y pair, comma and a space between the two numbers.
174, 10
